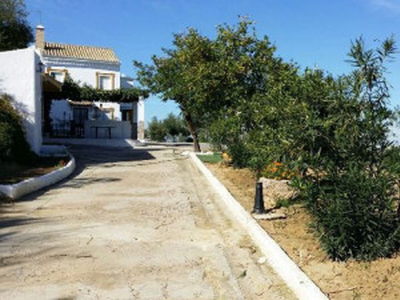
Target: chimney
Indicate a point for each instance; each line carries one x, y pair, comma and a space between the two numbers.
39, 40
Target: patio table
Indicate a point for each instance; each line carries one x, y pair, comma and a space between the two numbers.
104, 127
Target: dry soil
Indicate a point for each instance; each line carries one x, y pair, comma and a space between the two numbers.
340, 280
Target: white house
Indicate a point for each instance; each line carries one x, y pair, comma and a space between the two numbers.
26, 74
98, 67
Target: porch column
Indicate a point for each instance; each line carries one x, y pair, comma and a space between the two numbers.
133, 118
141, 119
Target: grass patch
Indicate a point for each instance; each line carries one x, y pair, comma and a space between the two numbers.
211, 159
11, 173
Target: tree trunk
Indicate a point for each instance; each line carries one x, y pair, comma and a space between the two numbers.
193, 132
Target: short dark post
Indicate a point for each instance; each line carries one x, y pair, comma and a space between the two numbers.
259, 200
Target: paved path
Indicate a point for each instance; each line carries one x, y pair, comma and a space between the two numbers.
131, 224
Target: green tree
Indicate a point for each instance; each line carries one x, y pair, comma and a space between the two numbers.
211, 78
156, 130
177, 75
258, 96
172, 126
15, 32
175, 126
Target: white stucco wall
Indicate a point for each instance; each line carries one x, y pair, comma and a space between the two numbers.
60, 111
84, 71
20, 79
106, 105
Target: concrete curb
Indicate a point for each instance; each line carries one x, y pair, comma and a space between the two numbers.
292, 275
17, 190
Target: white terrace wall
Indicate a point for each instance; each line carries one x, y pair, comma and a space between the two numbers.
61, 111
84, 71
20, 78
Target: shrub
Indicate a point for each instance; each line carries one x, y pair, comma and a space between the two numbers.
392, 161
351, 189
13, 145
355, 214
284, 202
240, 154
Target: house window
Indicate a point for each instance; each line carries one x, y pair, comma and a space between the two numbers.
105, 81
58, 75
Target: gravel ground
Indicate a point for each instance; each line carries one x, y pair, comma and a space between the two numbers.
129, 224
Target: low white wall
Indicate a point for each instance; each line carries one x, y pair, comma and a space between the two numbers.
20, 78
119, 130
15, 191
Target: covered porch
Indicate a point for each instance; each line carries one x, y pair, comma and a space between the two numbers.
93, 119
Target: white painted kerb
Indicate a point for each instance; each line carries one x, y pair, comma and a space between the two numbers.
15, 191
292, 275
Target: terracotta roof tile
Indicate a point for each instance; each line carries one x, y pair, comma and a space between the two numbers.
80, 52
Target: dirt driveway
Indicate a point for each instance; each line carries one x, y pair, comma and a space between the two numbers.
130, 224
